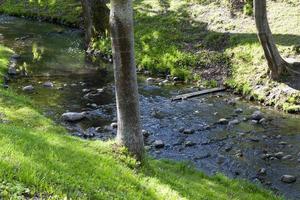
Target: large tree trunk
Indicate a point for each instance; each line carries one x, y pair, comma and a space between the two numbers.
129, 128
276, 63
96, 19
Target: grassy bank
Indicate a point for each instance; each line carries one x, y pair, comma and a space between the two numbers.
40, 160
65, 12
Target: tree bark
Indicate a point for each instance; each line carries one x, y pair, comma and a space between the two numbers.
129, 127
96, 19
276, 63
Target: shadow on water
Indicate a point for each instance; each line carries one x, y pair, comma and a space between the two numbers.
54, 53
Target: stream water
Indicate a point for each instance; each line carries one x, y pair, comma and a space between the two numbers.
242, 150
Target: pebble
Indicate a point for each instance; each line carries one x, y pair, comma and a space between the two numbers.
238, 110
189, 144
287, 157
28, 88
223, 121
114, 125
73, 116
257, 115
158, 144
262, 172
188, 131
279, 155
48, 84
288, 179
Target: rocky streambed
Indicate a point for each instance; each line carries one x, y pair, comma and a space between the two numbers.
216, 133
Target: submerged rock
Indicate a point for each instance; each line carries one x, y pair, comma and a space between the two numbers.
48, 84
73, 116
288, 179
114, 125
28, 88
257, 115
158, 144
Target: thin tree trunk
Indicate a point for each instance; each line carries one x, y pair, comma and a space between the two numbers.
96, 19
275, 62
129, 128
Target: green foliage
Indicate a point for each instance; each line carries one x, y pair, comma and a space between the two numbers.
65, 12
248, 7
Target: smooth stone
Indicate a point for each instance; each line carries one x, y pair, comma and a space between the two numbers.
279, 155
233, 122
262, 171
28, 88
181, 129
189, 144
114, 125
262, 121
287, 157
238, 110
288, 179
158, 144
73, 116
188, 131
283, 143
48, 84
145, 133
150, 80
257, 115
223, 121
12, 71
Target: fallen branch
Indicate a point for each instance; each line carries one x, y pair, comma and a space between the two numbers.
199, 93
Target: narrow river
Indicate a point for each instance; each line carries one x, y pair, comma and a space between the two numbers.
244, 149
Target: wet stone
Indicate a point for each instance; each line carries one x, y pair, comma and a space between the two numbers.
188, 131
238, 111
158, 144
257, 115
48, 84
262, 172
223, 121
288, 179
114, 125
279, 155
28, 88
189, 144
203, 156
73, 116
287, 157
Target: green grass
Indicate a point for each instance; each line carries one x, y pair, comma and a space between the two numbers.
65, 12
39, 159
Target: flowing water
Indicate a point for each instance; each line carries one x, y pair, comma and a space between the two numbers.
55, 53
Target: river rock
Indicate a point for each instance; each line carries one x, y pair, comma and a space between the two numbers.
288, 179
238, 111
223, 121
12, 70
189, 144
48, 84
262, 172
150, 80
233, 122
114, 125
287, 157
28, 88
257, 115
73, 116
188, 131
145, 133
158, 144
279, 155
